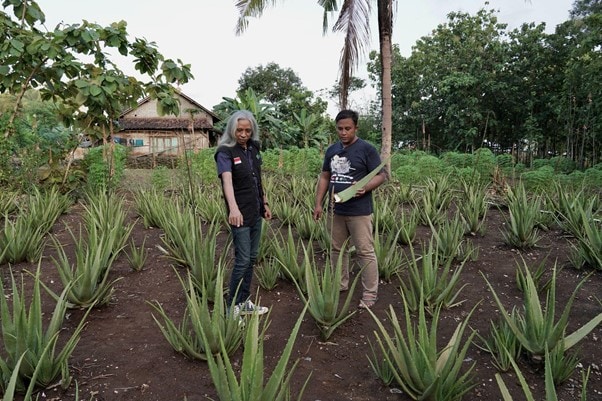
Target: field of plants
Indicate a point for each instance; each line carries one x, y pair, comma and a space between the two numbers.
491, 288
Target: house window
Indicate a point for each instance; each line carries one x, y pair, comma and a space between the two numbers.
165, 145
137, 142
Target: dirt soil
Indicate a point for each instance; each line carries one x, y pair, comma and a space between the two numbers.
122, 354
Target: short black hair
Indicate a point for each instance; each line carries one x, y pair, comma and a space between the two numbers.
347, 114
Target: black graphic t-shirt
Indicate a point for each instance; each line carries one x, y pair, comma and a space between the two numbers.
347, 165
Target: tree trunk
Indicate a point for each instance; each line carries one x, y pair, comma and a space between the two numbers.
385, 33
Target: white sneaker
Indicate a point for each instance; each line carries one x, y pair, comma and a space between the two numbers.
249, 308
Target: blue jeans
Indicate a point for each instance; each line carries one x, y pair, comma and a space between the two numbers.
246, 247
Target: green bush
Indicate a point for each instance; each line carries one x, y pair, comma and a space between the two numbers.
537, 180
295, 161
408, 174
563, 164
484, 162
430, 166
593, 177
160, 177
539, 163
504, 160
102, 171
202, 165
459, 160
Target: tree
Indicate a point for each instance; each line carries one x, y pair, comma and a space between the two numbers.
271, 82
90, 93
582, 89
354, 21
283, 90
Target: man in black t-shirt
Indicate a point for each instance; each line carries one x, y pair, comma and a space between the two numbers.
345, 163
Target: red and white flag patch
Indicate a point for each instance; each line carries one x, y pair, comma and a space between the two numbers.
237, 160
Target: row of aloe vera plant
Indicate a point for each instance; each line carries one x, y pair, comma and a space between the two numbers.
175, 217
32, 355
206, 330
432, 284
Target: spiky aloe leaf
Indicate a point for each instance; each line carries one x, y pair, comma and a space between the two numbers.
350, 192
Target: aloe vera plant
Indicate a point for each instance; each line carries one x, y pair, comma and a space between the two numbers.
385, 215
193, 247
588, 247
252, 383
521, 227
389, 254
204, 330
8, 202
449, 236
408, 224
106, 211
45, 207
537, 330
150, 205
268, 273
323, 294
430, 281
21, 240
87, 278
435, 200
537, 273
137, 255
573, 209
25, 339
502, 344
422, 369
550, 390
286, 252
473, 206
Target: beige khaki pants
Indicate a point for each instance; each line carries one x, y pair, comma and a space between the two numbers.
357, 229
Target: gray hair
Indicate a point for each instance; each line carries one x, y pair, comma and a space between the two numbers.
229, 136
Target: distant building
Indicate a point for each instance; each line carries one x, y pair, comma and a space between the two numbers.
152, 135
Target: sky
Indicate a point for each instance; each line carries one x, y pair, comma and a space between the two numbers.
202, 33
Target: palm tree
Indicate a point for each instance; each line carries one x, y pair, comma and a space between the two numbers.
354, 22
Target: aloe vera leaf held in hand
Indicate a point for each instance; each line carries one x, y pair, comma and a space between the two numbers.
350, 192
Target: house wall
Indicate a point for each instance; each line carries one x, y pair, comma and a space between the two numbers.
167, 143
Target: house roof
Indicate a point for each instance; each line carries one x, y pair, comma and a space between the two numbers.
163, 123
129, 121
179, 93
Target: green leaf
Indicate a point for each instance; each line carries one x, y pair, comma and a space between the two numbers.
95, 90
350, 192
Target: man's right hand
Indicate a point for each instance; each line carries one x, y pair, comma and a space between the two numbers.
235, 218
317, 212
